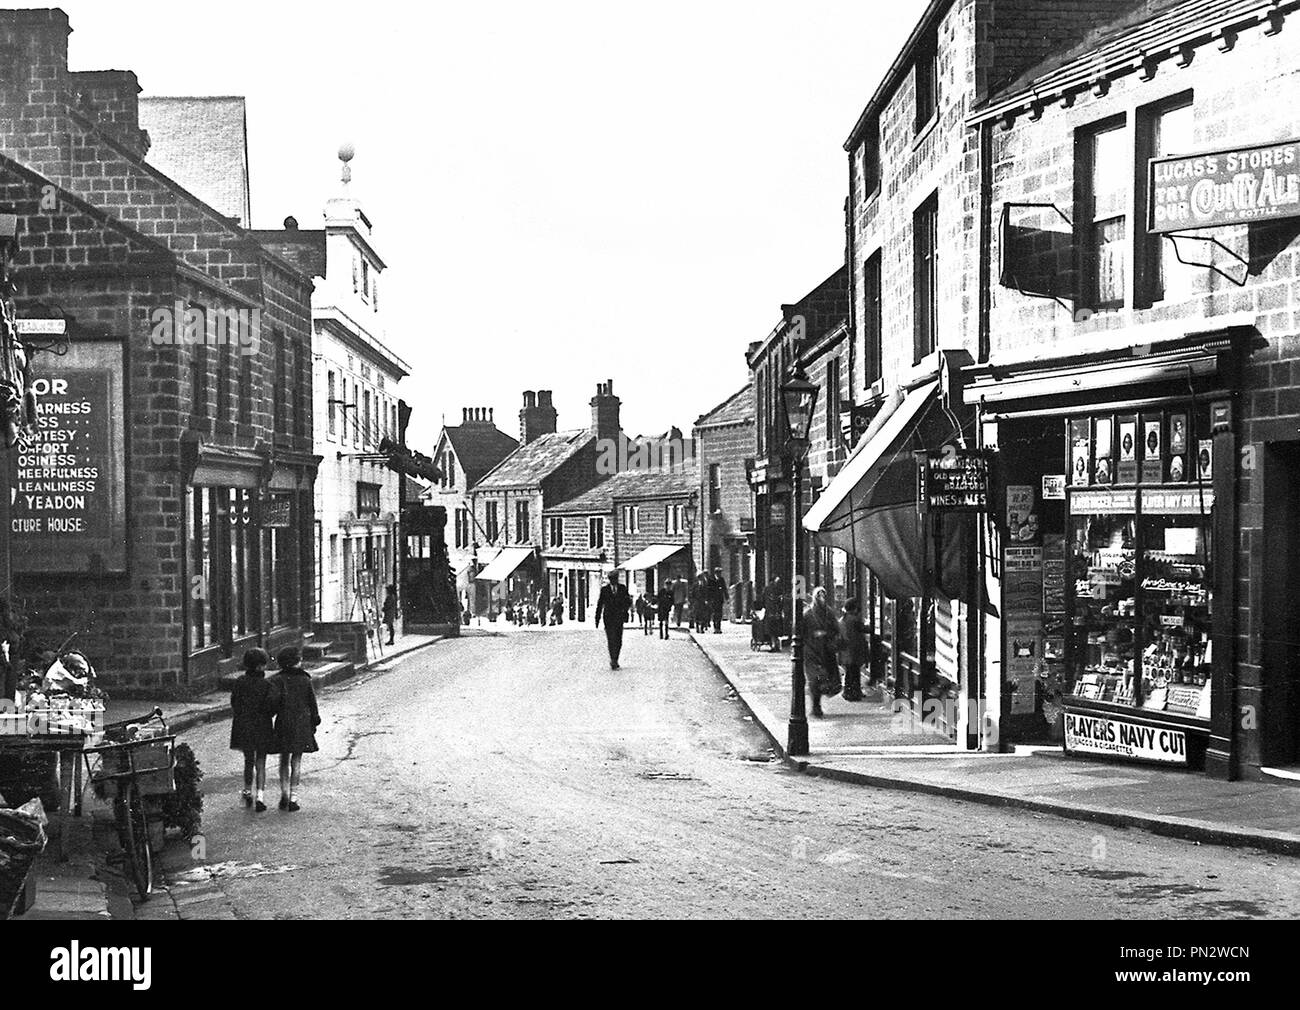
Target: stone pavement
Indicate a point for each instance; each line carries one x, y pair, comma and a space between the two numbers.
71, 883
853, 744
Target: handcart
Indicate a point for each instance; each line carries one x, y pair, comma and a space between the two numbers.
135, 768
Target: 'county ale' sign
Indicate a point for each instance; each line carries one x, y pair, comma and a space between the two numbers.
1239, 186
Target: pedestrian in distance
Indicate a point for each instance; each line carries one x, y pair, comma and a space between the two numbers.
296, 719
251, 728
390, 611
613, 605
719, 599
648, 614
821, 641
773, 610
665, 603
640, 607
557, 610
681, 594
854, 651
700, 595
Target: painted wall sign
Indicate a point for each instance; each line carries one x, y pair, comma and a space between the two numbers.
69, 490
1092, 734
1239, 186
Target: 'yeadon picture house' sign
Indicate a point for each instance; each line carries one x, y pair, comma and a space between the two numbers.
1239, 186
68, 488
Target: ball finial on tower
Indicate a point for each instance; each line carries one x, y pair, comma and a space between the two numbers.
346, 153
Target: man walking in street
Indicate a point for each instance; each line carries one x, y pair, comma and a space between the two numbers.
667, 595
613, 605
719, 599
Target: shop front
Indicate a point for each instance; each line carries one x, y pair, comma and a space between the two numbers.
917, 559
1112, 522
659, 563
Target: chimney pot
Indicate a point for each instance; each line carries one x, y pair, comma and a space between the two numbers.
464, 414
491, 411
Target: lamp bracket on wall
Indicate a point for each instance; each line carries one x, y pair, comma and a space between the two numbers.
1209, 240
1008, 276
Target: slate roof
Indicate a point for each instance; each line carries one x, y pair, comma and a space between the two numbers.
478, 448
735, 409
202, 143
530, 464
631, 485
1154, 26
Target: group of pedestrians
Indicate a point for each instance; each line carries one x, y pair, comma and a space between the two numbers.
705, 600
273, 715
828, 644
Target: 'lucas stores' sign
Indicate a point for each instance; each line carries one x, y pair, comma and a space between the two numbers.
1225, 187
1091, 734
69, 512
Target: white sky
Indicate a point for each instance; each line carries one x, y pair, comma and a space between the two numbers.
563, 191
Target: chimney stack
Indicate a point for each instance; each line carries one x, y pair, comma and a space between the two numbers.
537, 417
604, 412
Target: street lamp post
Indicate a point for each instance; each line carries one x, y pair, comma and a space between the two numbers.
800, 397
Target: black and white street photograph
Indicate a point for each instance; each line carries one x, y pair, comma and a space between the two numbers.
694, 461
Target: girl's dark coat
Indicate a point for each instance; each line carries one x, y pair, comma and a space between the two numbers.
251, 710
296, 715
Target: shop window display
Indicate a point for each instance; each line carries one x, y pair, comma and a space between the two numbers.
1140, 566
1103, 562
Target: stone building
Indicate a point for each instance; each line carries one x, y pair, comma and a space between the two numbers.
183, 533
463, 453
724, 442
511, 545
818, 320
1139, 375
636, 521
356, 377
917, 238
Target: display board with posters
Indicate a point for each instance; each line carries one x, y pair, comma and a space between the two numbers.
68, 481
1022, 595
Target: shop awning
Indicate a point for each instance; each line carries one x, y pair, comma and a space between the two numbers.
505, 563
650, 557
869, 508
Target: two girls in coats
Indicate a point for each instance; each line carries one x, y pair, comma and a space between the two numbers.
289, 698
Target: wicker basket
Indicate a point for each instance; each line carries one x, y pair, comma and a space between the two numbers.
153, 762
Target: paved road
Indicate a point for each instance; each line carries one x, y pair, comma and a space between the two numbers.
516, 776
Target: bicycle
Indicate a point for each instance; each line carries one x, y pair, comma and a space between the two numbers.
133, 768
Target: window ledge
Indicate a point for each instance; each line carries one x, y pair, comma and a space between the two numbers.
925, 130
924, 370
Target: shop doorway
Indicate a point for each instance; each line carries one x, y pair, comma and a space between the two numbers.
1278, 698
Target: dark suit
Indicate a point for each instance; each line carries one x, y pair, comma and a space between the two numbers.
665, 606
717, 600
613, 605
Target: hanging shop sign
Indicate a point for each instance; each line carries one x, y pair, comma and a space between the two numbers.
277, 513
1094, 734
68, 481
954, 480
1240, 186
